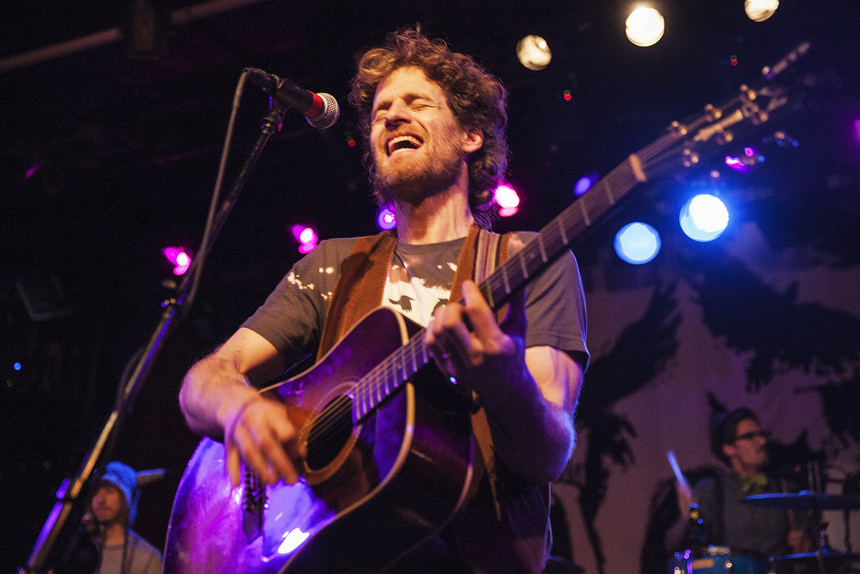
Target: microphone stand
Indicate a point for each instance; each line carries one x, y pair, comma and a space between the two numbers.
69, 493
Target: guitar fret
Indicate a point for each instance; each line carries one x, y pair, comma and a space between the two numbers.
414, 359
584, 213
403, 366
542, 250
504, 272
608, 191
362, 401
523, 266
563, 234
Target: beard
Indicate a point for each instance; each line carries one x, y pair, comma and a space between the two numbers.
413, 186
420, 178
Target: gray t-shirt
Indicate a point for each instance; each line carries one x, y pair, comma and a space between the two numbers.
141, 557
292, 316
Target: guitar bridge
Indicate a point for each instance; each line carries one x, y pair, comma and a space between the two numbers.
253, 503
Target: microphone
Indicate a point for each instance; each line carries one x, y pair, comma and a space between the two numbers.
145, 477
321, 110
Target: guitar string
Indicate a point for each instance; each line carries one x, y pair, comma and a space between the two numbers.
333, 417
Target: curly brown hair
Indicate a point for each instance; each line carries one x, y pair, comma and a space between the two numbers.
477, 99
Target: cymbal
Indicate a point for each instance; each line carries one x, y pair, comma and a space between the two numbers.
804, 500
827, 554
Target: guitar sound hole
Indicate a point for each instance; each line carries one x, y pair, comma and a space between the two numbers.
329, 433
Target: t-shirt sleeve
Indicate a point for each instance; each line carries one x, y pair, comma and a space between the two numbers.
292, 316
555, 307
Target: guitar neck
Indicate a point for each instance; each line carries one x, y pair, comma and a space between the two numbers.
515, 274
558, 235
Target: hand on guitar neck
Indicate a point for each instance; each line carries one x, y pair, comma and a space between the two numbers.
531, 390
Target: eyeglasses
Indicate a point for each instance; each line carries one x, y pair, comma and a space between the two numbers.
751, 435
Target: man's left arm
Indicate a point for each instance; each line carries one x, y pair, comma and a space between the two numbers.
529, 394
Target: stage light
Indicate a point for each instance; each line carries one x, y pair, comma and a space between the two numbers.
386, 218
533, 52
16, 366
508, 200
637, 243
760, 10
645, 26
180, 260
34, 169
745, 163
584, 183
306, 237
704, 217
782, 139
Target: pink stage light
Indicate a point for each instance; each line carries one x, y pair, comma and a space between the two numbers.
178, 257
306, 237
34, 169
508, 200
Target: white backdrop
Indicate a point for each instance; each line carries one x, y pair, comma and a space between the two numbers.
670, 410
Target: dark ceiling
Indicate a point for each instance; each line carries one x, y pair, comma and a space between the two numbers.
105, 158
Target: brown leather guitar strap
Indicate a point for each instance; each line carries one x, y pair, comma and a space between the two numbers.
358, 290
482, 253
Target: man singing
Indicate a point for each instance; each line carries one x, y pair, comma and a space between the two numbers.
433, 127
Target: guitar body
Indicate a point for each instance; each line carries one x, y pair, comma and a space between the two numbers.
369, 493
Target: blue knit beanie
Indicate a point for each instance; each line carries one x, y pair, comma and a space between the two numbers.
125, 478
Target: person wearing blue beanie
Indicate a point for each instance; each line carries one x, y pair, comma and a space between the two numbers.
113, 509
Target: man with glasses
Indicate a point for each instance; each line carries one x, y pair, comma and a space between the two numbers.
739, 441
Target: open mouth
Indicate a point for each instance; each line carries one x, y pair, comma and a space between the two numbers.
404, 142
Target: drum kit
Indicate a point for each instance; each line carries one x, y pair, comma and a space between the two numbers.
823, 560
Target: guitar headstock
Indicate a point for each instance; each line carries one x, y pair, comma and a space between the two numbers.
754, 107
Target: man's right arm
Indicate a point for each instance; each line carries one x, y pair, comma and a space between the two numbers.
218, 399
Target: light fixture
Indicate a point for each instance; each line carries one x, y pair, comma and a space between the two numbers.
533, 52
177, 256
637, 243
386, 218
306, 237
645, 26
704, 217
508, 200
760, 10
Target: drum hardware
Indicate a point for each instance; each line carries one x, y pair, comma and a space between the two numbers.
814, 503
716, 560
804, 500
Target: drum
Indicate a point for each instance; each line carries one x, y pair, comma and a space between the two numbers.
716, 560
